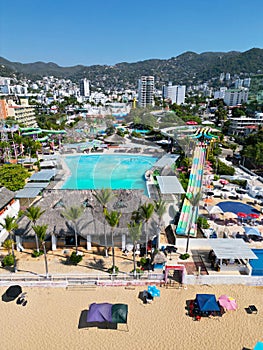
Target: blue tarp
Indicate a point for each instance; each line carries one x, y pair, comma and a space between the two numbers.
207, 302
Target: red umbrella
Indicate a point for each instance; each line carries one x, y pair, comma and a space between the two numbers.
254, 216
241, 215
191, 122
223, 181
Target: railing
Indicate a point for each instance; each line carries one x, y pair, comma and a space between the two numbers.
80, 279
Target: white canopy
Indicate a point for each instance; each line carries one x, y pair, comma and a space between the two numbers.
227, 248
169, 184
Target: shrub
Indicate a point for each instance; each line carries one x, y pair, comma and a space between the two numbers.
184, 256
36, 254
75, 258
202, 222
138, 271
110, 270
8, 260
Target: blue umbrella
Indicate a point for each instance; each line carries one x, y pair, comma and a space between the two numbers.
259, 346
252, 231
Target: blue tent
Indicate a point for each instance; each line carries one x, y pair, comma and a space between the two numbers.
207, 302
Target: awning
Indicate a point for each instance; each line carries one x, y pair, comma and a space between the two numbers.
43, 175
28, 193
166, 160
41, 185
169, 184
231, 249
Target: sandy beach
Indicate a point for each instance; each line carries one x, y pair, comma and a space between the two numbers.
50, 320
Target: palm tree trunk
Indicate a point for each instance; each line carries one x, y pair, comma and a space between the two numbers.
134, 261
37, 245
147, 238
113, 253
45, 256
13, 253
76, 238
105, 240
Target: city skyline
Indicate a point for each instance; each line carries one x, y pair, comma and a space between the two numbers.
105, 33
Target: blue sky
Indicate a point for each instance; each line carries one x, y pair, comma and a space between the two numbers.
113, 31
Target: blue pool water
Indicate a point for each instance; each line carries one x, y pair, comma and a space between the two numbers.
257, 264
107, 171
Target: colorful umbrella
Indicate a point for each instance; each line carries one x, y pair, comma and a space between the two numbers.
191, 122
227, 302
208, 200
223, 181
241, 215
254, 215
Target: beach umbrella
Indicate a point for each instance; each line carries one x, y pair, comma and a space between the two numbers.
259, 346
191, 122
223, 181
215, 210
230, 215
252, 231
208, 200
241, 215
253, 215
13, 292
227, 302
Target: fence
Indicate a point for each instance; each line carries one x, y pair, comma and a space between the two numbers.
65, 280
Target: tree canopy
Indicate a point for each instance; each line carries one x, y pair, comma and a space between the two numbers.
13, 176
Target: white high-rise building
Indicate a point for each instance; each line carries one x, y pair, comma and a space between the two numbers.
84, 87
145, 91
235, 97
176, 93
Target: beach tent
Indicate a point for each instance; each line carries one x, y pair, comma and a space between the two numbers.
105, 312
207, 302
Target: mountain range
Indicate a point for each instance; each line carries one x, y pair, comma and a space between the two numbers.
187, 68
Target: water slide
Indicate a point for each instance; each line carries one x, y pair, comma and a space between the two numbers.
36, 131
194, 187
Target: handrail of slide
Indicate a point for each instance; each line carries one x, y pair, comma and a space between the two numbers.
194, 186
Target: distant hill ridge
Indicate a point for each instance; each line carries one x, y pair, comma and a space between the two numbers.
186, 68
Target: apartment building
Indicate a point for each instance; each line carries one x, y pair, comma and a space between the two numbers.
23, 113
145, 91
244, 125
175, 93
84, 86
235, 97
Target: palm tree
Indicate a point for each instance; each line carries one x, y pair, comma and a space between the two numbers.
104, 196
40, 232
10, 225
8, 245
146, 212
194, 200
73, 214
113, 219
33, 214
135, 230
160, 209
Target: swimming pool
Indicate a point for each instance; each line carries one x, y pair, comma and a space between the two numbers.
107, 171
257, 264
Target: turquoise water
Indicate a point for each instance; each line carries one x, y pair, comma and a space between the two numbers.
107, 171
257, 264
